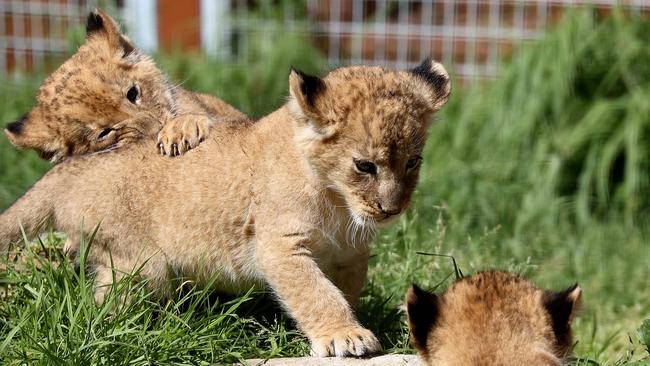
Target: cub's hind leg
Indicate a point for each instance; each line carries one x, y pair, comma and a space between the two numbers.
145, 264
71, 247
32, 213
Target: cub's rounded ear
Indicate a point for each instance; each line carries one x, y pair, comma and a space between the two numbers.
305, 89
101, 24
562, 306
16, 128
95, 22
305, 105
32, 132
422, 309
437, 79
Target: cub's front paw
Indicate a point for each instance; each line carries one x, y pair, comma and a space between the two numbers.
355, 341
183, 133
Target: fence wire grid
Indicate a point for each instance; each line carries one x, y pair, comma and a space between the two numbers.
468, 35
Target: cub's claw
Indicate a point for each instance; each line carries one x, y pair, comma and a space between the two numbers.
347, 342
183, 133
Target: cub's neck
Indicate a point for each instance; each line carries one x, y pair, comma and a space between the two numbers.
281, 170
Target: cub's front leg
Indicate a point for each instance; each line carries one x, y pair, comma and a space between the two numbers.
182, 133
350, 277
317, 305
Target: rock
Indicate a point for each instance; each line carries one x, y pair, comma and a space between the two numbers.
386, 360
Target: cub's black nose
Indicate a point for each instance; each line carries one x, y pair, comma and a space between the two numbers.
16, 127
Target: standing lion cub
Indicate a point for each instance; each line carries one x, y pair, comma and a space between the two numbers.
109, 93
492, 318
290, 201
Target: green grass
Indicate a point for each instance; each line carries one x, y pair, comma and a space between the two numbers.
543, 172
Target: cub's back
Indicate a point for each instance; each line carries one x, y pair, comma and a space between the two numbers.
135, 180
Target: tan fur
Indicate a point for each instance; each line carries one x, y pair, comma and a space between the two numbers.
278, 202
82, 107
492, 318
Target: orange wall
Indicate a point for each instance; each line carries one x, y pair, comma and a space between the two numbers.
179, 25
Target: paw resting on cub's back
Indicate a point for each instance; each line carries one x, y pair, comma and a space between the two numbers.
183, 133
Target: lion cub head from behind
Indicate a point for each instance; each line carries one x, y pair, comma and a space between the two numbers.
362, 130
80, 106
492, 318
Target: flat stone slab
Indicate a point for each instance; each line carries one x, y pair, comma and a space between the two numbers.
385, 360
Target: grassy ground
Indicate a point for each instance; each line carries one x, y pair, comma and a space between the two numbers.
542, 172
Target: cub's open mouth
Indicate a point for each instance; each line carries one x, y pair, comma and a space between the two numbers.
47, 155
53, 157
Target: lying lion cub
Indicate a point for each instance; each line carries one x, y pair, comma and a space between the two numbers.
109, 93
290, 201
492, 318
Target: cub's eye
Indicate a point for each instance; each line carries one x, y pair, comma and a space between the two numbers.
104, 133
132, 94
365, 166
413, 162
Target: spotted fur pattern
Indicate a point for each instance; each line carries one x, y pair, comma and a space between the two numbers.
109, 93
290, 202
492, 318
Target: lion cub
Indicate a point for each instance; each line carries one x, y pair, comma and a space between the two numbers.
288, 202
492, 318
109, 93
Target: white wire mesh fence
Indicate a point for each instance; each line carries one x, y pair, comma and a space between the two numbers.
468, 35
32, 32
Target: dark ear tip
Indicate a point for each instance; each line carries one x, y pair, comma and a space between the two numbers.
17, 126
417, 297
303, 75
435, 75
93, 17
310, 86
14, 128
575, 292
94, 22
413, 293
428, 67
426, 63
422, 308
416, 289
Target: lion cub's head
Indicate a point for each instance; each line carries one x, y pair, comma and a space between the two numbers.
363, 129
492, 318
80, 106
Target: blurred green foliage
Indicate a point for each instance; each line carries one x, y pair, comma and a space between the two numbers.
563, 131
644, 333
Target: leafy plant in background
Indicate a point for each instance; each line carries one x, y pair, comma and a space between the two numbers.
644, 334
564, 129
256, 86
18, 169
257, 81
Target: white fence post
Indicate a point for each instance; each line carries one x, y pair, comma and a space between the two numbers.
142, 21
215, 27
